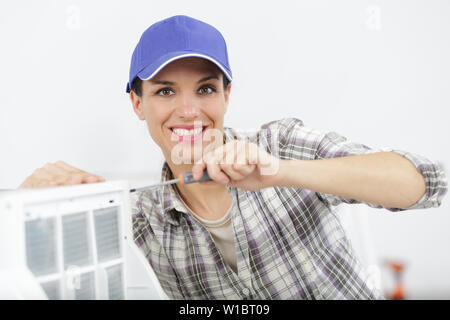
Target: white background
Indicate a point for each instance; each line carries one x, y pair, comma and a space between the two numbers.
375, 71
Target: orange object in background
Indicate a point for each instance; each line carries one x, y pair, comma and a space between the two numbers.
397, 267
399, 290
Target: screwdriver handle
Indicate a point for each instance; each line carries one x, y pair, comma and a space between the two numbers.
188, 177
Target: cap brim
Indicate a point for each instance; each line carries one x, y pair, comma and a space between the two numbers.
152, 70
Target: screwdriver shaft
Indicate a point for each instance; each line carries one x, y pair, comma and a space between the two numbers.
156, 185
185, 178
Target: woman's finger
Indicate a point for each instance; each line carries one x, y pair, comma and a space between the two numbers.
244, 169
252, 153
55, 169
231, 172
59, 175
86, 176
43, 183
235, 160
67, 167
213, 167
198, 168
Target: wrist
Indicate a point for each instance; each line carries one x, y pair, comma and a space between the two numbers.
279, 176
288, 174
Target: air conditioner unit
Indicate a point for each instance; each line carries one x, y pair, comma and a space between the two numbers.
72, 242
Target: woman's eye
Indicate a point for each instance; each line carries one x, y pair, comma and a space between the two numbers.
207, 89
163, 91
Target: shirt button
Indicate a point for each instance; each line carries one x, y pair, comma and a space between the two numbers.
245, 291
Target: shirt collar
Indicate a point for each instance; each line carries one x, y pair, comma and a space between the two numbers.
171, 200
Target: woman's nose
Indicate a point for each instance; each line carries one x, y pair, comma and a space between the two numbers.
187, 108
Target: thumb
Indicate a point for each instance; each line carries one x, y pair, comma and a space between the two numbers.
197, 169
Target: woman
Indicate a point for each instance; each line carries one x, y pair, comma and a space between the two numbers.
264, 227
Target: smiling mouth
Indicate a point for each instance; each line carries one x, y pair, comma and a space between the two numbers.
188, 133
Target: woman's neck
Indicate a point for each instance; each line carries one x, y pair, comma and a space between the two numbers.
208, 202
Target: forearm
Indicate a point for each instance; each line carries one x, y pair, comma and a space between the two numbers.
383, 178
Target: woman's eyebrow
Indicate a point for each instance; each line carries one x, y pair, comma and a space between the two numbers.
164, 82
208, 78
170, 83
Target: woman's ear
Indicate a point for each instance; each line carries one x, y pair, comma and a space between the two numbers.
136, 101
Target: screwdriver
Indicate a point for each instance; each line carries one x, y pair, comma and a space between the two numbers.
183, 178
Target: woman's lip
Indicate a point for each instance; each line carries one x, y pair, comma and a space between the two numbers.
188, 138
187, 126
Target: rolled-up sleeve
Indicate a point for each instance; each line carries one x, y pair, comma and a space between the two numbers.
435, 180
297, 141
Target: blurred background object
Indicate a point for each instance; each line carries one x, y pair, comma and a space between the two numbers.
72, 243
397, 268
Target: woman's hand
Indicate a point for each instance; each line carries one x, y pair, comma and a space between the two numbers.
240, 164
58, 174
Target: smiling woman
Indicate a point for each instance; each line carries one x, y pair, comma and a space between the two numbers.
180, 103
265, 226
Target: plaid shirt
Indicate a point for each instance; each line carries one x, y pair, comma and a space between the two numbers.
289, 242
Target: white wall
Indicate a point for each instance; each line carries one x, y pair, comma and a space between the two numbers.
375, 71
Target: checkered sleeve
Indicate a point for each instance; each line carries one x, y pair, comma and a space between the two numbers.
300, 142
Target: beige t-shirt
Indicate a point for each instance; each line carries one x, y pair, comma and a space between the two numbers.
222, 233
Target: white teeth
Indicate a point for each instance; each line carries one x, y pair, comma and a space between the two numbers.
184, 132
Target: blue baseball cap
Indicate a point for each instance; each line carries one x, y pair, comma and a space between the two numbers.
174, 38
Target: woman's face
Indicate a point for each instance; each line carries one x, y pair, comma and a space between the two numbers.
186, 91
